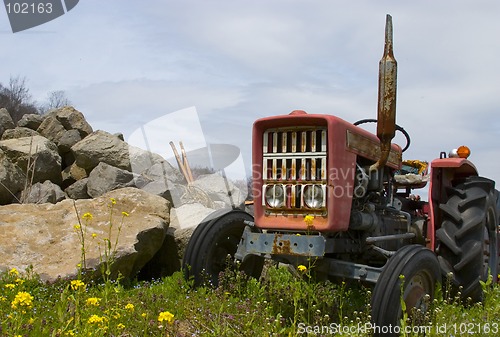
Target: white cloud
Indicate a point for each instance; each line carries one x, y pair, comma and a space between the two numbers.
126, 63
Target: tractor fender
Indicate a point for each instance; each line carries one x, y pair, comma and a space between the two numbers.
444, 172
460, 164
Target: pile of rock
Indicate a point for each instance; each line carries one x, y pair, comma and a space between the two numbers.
48, 159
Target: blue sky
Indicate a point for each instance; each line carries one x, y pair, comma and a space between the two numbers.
128, 63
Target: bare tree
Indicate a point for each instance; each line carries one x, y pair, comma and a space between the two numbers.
55, 99
16, 98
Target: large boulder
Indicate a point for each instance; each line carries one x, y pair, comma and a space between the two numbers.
51, 129
142, 160
18, 132
71, 174
67, 140
162, 170
101, 146
183, 221
36, 156
40, 193
78, 190
6, 121
220, 189
72, 119
46, 237
31, 121
105, 178
11, 179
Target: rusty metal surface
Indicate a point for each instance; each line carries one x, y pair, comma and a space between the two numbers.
282, 244
386, 126
369, 148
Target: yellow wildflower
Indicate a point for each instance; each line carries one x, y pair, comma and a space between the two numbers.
93, 301
87, 216
70, 333
308, 219
77, 285
77, 227
22, 299
10, 286
95, 319
302, 268
143, 315
129, 307
120, 326
13, 271
125, 214
94, 235
166, 316
19, 281
113, 201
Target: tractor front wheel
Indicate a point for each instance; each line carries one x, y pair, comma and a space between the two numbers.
406, 284
213, 244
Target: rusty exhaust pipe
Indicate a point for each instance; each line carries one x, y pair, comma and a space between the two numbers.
387, 78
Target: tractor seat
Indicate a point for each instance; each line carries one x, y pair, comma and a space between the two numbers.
413, 174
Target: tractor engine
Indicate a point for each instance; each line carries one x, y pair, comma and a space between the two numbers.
382, 216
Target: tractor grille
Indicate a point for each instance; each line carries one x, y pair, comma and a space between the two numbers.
294, 158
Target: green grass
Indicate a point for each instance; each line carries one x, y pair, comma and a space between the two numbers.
281, 304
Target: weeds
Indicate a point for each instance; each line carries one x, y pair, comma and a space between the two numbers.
280, 304
276, 306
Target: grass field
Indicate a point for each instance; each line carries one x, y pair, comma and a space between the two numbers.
283, 302
280, 304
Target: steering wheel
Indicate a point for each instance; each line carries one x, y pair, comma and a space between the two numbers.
400, 129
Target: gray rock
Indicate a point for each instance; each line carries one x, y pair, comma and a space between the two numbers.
142, 160
105, 178
78, 190
44, 235
163, 171
51, 129
67, 140
6, 121
31, 121
220, 189
175, 193
101, 146
184, 220
159, 188
40, 193
71, 174
11, 179
68, 159
36, 156
18, 132
72, 119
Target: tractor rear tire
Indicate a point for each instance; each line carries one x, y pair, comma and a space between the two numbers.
418, 268
212, 246
467, 239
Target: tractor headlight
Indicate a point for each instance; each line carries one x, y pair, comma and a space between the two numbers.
314, 197
275, 196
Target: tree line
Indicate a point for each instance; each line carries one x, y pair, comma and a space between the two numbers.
17, 99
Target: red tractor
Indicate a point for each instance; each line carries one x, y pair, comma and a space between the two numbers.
348, 193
